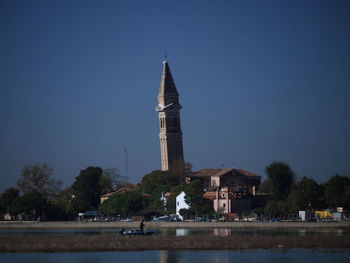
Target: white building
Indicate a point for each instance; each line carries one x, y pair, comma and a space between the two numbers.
181, 204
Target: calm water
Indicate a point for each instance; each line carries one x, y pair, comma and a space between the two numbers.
250, 256
268, 255
190, 231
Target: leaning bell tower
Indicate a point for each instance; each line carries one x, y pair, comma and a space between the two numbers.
170, 135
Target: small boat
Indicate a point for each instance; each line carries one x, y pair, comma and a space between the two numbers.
137, 232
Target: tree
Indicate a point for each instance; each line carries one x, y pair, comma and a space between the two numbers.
111, 179
154, 179
281, 178
193, 191
276, 208
157, 182
337, 191
154, 183
194, 198
123, 204
7, 198
265, 186
38, 178
65, 201
87, 190
181, 170
30, 203
307, 194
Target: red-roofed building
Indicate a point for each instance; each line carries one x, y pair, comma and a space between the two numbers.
231, 190
120, 191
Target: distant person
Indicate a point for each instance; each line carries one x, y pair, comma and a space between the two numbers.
142, 225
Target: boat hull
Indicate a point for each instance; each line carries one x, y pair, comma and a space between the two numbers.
137, 232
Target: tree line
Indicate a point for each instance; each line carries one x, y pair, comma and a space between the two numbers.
288, 194
40, 195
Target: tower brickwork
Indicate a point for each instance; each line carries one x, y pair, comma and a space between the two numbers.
168, 108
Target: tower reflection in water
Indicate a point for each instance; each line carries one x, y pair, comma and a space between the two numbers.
222, 232
194, 256
169, 257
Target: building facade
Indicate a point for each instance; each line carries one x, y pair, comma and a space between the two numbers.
181, 204
231, 190
170, 135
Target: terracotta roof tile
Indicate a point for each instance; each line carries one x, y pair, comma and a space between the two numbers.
221, 172
209, 195
246, 173
210, 172
119, 191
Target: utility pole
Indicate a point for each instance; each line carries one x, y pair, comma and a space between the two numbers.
127, 164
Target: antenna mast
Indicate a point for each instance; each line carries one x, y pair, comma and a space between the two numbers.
127, 164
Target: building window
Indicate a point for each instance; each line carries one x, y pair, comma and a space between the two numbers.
224, 205
178, 203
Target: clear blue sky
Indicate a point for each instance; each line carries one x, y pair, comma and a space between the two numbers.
259, 81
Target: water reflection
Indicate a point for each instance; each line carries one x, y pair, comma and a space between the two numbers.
302, 232
246, 256
255, 232
195, 256
169, 256
180, 232
222, 232
190, 231
339, 232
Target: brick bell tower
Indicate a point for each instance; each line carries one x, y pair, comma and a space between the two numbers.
170, 135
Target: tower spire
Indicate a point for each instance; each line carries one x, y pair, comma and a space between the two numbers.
170, 134
167, 85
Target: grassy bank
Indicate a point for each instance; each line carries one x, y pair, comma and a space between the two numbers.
159, 225
73, 243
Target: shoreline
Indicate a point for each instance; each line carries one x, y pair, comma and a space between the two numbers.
71, 243
112, 241
160, 225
